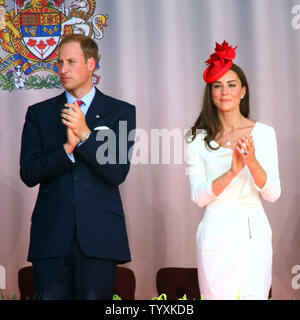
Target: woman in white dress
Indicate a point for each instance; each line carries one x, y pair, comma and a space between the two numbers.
233, 163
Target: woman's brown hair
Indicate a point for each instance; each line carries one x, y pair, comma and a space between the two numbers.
209, 119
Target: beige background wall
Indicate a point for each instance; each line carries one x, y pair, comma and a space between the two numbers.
153, 55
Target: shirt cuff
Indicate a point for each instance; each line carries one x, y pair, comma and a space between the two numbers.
71, 156
80, 143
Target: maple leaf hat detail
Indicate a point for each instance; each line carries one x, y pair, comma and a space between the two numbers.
219, 62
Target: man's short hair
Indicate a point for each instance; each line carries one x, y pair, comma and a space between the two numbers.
88, 45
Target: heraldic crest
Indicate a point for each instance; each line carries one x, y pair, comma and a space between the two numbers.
30, 32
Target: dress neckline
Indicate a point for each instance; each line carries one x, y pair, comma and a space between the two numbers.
251, 133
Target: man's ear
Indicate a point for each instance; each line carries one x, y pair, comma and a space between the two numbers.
91, 64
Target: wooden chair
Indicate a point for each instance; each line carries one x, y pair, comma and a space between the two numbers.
125, 283
175, 282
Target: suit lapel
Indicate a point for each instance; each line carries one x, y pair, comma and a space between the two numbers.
96, 109
59, 104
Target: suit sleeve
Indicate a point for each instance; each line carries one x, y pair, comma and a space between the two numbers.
201, 186
37, 166
115, 167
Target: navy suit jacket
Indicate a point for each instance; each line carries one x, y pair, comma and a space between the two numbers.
81, 197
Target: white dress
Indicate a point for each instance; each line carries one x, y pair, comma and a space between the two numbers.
234, 238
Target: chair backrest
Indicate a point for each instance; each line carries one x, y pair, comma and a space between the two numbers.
176, 282
26, 283
125, 283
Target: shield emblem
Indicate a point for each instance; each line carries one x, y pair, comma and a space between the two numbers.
41, 32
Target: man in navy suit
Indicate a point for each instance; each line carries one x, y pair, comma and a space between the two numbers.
78, 231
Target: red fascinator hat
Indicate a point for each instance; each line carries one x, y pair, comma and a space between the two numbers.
219, 62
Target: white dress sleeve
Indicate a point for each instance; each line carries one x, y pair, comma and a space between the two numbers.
201, 187
267, 156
